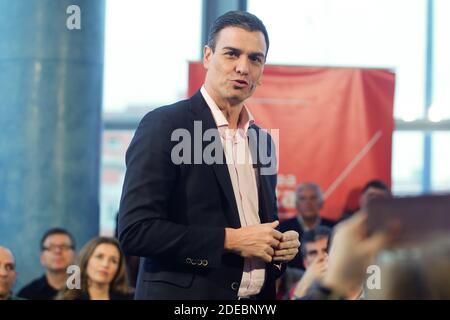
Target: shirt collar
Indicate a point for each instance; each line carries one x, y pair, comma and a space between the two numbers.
305, 228
246, 119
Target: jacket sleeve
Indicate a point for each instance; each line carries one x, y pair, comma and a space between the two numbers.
144, 226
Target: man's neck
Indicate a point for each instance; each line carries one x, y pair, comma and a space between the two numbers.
232, 114
56, 280
309, 223
230, 110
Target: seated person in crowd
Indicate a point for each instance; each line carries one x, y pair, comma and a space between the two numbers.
57, 253
7, 274
309, 202
352, 250
102, 272
373, 189
314, 249
418, 271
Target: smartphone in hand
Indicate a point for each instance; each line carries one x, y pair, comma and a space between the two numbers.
418, 218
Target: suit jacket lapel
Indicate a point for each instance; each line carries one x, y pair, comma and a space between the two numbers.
263, 187
201, 112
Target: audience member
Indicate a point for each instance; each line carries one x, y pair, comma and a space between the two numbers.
352, 251
7, 274
373, 189
57, 253
102, 271
309, 202
314, 250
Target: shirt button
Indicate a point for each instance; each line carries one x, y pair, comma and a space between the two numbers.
235, 286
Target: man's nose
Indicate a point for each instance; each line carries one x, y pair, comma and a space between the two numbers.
242, 65
323, 254
3, 272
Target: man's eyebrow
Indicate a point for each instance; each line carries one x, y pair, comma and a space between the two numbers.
258, 54
231, 48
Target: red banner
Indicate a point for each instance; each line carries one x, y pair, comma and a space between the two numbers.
335, 129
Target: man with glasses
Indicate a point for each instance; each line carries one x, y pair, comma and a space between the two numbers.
57, 253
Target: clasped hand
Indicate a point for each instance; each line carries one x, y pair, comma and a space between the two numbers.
263, 241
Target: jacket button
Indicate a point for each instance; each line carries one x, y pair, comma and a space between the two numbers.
235, 286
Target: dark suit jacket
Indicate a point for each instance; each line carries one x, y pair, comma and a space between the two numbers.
174, 215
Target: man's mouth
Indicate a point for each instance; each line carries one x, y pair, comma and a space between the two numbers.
239, 83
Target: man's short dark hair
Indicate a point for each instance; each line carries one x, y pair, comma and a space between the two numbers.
240, 19
53, 231
314, 235
377, 184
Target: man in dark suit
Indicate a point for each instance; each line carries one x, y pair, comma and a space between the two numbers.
309, 201
202, 218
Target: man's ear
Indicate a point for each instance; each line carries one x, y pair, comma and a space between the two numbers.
207, 54
15, 277
41, 258
259, 82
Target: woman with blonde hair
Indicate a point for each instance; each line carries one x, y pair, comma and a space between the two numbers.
102, 271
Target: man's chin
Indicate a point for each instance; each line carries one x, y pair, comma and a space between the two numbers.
238, 97
312, 216
58, 269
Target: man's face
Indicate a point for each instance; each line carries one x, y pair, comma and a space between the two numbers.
7, 272
315, 250
235, 67
308, 203
57, 253
372, 193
